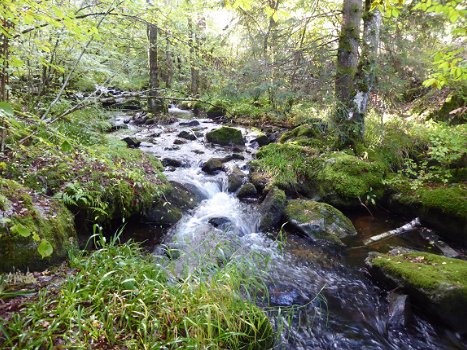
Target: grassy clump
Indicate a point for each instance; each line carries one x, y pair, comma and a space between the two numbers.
121, 298
288, 166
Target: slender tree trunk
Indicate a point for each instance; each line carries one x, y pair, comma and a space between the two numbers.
193, 66
155, 105
346, 71
4, 51
169, 62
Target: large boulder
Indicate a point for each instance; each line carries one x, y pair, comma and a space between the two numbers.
225, 136
438, 285
31, 226
319, 221
272, 209
169, 210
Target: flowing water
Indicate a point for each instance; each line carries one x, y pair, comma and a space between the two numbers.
337, 304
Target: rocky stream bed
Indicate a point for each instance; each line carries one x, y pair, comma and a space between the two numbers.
316, 264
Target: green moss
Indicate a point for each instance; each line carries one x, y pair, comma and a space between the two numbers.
345, 178
449, 200
303, 132
41, 217
437, 283
427, 271
225, 136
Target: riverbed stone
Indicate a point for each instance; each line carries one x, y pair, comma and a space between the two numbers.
247, 190
29, 220
225, 136
437, 284
319, 221
213, 165
187, 135
272, 209
235, 179
172, 162
132, 142
193, 122
179, 142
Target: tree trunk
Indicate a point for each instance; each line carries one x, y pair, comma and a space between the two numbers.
4, 50
155, 105
346, 70
169, 62
367, 66
193, 66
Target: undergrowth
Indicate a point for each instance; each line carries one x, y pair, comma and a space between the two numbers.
122, 298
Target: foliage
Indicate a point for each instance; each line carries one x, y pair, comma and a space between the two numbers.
121, 297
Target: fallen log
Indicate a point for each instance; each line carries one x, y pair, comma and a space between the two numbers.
398, 231
433, 238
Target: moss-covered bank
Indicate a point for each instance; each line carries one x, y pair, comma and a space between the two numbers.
31, 224
436, 283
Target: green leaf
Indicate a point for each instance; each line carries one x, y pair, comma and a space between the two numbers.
6, 109
21, 230
36, 237
45, 249
66, 146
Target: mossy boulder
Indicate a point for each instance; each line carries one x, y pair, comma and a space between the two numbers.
312, 134
438, 285
247, 190
344, 179
442, 207
168, 210
319, 221
225, 136
213, 165
272, 209
29, 220
216, 111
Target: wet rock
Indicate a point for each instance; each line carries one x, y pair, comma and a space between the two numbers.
281, 295
221, 223
140, 118
155, 134
129, 105
179, 142
262, 140
259, 179
234, 156
225, 136
319, 221
168, 210
437, 284
399, 312
132, 142
193, 122
215, 111
247, 190
172, 148
213, 165
171, 162
187, 135
197, 151
235, 179
272, 209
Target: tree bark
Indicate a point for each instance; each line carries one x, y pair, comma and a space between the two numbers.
193, 66
169, 62
367, 67
4, 50
155, 104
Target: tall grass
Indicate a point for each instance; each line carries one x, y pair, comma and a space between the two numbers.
121, 298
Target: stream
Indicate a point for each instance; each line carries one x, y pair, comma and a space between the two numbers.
337, 305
